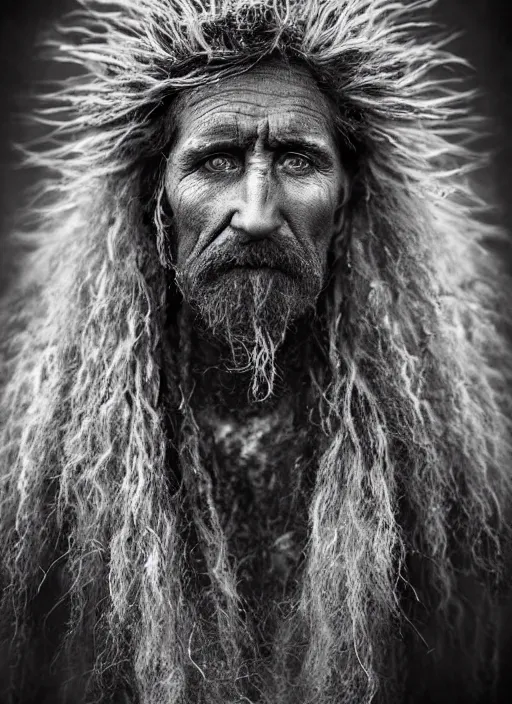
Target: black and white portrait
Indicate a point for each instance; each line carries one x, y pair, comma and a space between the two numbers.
255, 362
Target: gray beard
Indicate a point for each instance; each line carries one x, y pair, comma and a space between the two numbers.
250, 310
247, 296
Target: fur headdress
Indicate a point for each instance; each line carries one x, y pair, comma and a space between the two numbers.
411, 397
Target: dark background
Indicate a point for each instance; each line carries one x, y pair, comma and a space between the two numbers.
486, 41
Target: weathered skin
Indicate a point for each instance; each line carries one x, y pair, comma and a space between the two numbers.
255, 443
255, 157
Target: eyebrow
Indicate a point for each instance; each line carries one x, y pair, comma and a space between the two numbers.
300, 142
227, 137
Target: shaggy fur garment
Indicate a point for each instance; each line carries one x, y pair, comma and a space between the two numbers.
104, 487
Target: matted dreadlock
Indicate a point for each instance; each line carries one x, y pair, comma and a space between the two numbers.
102, 482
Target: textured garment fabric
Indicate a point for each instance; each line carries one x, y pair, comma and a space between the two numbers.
258, 467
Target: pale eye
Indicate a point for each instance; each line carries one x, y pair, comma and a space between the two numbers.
295, 164
221, 163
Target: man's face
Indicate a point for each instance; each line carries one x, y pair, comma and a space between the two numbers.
256, 188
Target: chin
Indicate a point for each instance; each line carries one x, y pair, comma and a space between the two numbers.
250, 310
243, 302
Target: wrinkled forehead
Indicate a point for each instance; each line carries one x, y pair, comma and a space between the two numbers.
274, 98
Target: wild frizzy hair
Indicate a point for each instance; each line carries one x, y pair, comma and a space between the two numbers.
412, 491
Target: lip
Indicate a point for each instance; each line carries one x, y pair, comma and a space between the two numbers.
256, 268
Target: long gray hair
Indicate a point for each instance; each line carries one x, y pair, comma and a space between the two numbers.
102, 482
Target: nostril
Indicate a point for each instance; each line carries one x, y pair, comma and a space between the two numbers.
255, 223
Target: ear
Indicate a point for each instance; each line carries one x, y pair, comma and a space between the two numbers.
341, 210
163, 221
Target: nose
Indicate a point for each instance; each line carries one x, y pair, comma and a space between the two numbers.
257, 215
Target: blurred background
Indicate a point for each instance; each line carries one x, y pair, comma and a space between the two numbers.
486, 40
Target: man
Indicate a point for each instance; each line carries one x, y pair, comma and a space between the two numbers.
255, 443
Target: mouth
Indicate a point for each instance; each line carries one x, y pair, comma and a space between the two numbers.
245, 271
266, 259
256, 267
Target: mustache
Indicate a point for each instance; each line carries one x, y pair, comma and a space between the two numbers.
273, 254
